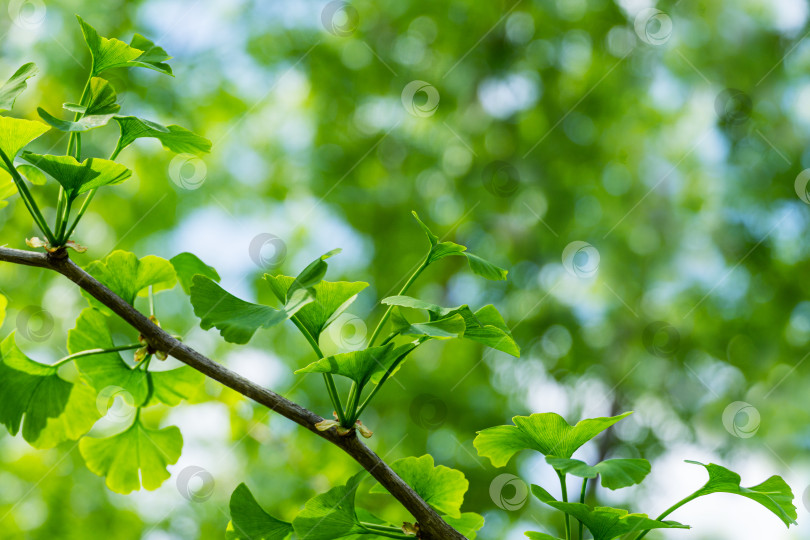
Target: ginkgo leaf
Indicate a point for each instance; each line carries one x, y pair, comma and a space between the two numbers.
440, 250
16, 85
532, 535
174, 138
54, 409
236, 319
249, 521
78, 178
110, 53
605, 522
615, 473
137, 456
3, 306
108, 370
547, 433
485, 326
441, 487
449, 327
331, 299
16, 134
187, 265
174, 385
128, 276
312, 274
359, 366
85, 123
468, 524
774, 493
330, 515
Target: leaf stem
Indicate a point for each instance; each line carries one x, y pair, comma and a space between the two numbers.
384, 530
564, 490
582, 493
327, 377
28, 199
384, 378
93, 352
669, 510
402, 291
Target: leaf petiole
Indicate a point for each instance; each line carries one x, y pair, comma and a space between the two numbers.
564, 490
28, 199
402, 292
669, 510
93, 352
384, 530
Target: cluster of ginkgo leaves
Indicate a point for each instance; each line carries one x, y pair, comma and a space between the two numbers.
553, 437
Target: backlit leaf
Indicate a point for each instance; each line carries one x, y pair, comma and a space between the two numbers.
137, 456
16, 85
359, 366
547, 433
449, 327
174, 138
114, 53
174, 385
250, 522
615, 473
468, 524
128, 276
187, 265
78, 178
15, 134
330, 515
85, 123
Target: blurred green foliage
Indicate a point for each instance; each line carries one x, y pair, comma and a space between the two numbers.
671, 151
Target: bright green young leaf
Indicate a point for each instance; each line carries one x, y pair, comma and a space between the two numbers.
468, 524
249, 521
78, 178
606, 523
359, 366
54, 409
236, 319
15, 134
128, 276
104, 371
615, 473
774, 493
85, 123
187, 265
331, 299
485, 326
114, 53
174, 385
174, 138
441, 487
16, 85
312, 274
449, 327
532, 535
330, 515
3, 306
547, 433
136, 456
440, 250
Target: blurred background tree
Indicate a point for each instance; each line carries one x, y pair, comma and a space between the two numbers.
636, 167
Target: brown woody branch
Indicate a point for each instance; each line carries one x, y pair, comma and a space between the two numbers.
431, 525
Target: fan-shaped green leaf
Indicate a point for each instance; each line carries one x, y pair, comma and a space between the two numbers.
85, 123
15, 134
331, 299
359, 366
449, 327
136, 456
604, 522
110, 53
236, 319
174, 138
615, 473
330, 515
16, 85
3, 305
174, 385
468, 524
77, 178
548, 433
187, 265
55, 410
774, 493
441, 487
128, 276
250, 522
